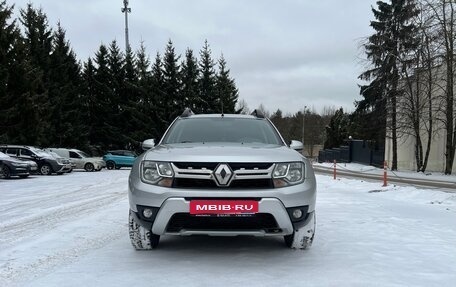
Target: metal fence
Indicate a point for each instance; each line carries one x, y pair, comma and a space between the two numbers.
358, 151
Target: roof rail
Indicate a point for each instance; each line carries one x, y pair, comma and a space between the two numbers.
187, 112
257, 113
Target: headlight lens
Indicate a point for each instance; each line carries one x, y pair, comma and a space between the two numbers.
157, 172
286, 174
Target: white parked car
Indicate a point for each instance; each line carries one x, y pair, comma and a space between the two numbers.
79, 159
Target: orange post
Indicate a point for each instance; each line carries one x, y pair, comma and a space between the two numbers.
385, 177
335, 169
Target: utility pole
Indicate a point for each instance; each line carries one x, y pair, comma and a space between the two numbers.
303, 120
126, 10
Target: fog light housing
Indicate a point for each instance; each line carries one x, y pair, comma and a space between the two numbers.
148, 213
297, 213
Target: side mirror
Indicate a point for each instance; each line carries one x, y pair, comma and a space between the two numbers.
296, 145
148, 144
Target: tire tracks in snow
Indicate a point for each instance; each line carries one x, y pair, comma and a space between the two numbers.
62, 227
30, 226
13, 272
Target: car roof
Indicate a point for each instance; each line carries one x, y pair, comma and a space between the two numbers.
236, 116
16, 146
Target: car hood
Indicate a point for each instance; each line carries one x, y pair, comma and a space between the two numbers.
12, 159
223, 152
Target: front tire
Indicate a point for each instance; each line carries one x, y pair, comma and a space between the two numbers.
46, 169
5, 172
303, 237
141, 238
89, 167
110, 165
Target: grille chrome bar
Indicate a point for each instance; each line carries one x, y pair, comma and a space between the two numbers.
238, 174
192, 173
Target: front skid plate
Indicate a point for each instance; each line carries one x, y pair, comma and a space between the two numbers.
265, 205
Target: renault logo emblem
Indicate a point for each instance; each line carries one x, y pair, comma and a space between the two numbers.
223, 174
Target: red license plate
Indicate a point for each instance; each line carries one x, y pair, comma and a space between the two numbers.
223, 207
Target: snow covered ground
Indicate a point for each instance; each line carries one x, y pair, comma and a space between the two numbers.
367, 169
71, 230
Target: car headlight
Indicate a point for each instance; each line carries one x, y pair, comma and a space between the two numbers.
286, 174
157, 173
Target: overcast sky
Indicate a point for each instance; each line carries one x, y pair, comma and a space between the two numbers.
283, 54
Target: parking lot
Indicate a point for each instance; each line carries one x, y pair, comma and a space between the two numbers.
71, 230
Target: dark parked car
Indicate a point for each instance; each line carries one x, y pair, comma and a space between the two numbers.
10, 166
47, 164
116, 159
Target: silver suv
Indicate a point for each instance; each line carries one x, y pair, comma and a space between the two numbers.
222, 175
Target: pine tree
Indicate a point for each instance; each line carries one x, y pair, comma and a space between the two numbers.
189, 77
145, 117
38, 43
102, 106
158, 99
64, 94
226, 88
11, 76
89, 103
132, 112
116, 100
337, 130
173, 103
206, 83
388, 50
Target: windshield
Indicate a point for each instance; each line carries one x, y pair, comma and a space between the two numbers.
83, 154
40, 152
55, 155
222, 129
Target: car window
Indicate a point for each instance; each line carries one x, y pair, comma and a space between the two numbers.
11, 151
26, 152
222, 129
129, 153
74, 155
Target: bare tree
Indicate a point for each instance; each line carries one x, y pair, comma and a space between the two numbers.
242, 107
445, 18
416, 116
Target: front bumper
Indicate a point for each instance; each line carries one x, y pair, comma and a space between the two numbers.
180, 205
19, 170
66, 168
168, 202
99, 165
60, 168
141, 193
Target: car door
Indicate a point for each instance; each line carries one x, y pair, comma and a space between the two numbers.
116, 157
12, 152
26, 154
77, 159
121, 158
129, 158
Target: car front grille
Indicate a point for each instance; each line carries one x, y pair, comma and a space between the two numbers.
185, 221
235, 184
203, 175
